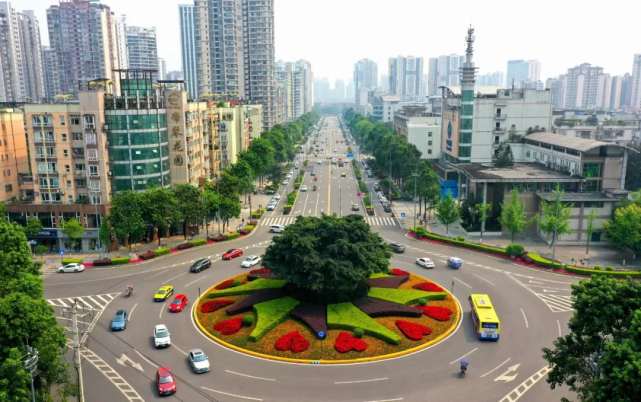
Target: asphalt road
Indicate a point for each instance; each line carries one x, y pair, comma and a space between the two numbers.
534, 308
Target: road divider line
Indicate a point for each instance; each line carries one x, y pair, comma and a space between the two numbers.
525, 318
465, 355
387, 400
161, 272
131, 312
184, 273
456, 279
480, 277
250, 376
161, 310
145, 359
228, 394
191, 283
497, 367
525, 385
558, 324
356, 382
179, 349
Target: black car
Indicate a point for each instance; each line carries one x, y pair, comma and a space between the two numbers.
201, 264
387, 208
377, 187
397, 247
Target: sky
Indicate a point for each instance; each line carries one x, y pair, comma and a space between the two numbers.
334, 34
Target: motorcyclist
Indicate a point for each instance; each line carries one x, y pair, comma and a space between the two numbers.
464, 364
130, 289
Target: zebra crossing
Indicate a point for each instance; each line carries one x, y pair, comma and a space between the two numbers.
376, 221
558, 303
94, 302
288, 220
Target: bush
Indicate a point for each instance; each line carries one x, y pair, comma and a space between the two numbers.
609, 268
184, 246
120, 260
147, 256
347, 316
236, 283
270, 314
460, 238
597, 267
231, 236
362, 186
256, 215
291, 197
612, 274
248, 320
514, 250
198, 242
297, 185
422, 302
367, 199
72, 261
249, 227
543, 262
162, 251
101, 263
359, 332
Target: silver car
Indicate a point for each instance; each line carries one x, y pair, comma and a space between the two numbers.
71, 268
198, 361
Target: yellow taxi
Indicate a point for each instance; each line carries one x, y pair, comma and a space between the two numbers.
343, 174
164, 293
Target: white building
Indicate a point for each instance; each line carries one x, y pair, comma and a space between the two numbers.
584, 87
121, 42
521, 72
296, 80
406, 78
142, 48
491, 79
49, 69
556, 86
432, 77
449, 70
188, 48
365, 76
614, 134
636, 82
420, 128
384, 106
385, 83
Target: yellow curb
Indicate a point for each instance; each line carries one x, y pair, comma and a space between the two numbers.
306, 361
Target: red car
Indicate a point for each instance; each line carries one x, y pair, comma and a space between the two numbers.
233, 253
179, 302
165, 381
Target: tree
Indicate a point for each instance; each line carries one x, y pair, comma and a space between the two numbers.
556, 216
104, 234
229, 208
190, 205
600, 358
633, 170
448, 211
34, 226
513, 215
624, 230
126, 216
503, 156
481, 211
590, 228
328, 259
592, 121
211, 203
536, 129
73, 230
160, 208
40, 250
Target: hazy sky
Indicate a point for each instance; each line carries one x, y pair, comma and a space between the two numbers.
334, 34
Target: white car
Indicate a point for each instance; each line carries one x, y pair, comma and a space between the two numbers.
285, 182
425, 262
303, 188
271, 206
276, 196
198, 361
276, 229
161, 336
75, 267
289, 175
251, 261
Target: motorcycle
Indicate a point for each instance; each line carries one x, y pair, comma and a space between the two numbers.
130, 290
463, 370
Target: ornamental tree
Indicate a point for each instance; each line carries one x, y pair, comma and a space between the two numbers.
590, 227
503, 156
448, 211
556, 216
513, 215
624, 230
327, 259
125, 216
34, 226
73, 230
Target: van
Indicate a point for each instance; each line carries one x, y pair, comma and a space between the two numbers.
276, 229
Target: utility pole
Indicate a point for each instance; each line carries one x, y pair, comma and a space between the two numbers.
30, 361
415, 176
556, 224
218, 209
76, 348
95, 206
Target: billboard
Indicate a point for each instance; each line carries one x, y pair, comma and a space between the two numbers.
451, 132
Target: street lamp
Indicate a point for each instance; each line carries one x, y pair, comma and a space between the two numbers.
30, 361
415, 176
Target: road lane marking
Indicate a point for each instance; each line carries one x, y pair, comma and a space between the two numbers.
525, 385
145, 359
456, 279
525, 318
162, 272
237, 396
250, 376
161, 310
123, 386
387, 400
356, 382
558, 323
177, 276
95, 302
190, 283
465, 355
480, 277
179, 349
497, 367
131, 312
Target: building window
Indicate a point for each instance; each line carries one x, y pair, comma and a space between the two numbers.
62, 120
527, 154
80, 167
93, 170
67, 169
429, 152
75, 119
591, 169
64, 137
591, 186
65, 152
94, 185
68, 183
76, 136
89, 122
95, 199
92, 154
70, 198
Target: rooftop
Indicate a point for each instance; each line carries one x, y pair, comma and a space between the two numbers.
577, 197
390, 98
576, 143
478, 90
519, 173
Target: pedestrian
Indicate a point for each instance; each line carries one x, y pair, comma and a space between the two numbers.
429, 216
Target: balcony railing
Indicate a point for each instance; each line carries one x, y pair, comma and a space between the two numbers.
80, 173
50, 173
78, 156
47, 157
499, 130
44, 140
500, 116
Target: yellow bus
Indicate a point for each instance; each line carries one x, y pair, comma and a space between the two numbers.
485, 320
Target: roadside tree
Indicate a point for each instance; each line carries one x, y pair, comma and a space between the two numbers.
513, 216
482, 215
125, 216
590, 227
448, 211
624, 230
160, 207
34, 226
189, 200
556, 216
73, 230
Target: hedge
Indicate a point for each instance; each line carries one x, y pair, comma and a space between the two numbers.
162, 251
234, 235
72, 261
198, 242
249, 227
270, 314
544, 262
250, 287
120, 261
404, 296
616, 274
481, 247
349, 317
291, 197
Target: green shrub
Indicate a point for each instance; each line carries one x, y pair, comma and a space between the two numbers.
544, 262
362, 186
234, 235
612, 274
597, 267
422, 302
367, 199
198, 242
404, 296
291, 197
72, 261
514, 249
249, 227
120, 261
349, 317
248, 320
609, 268
297, 184
460, 238
475, 246
162, 251
256, 215
236, 283
270, 314
249, 287
359, 332
390, 272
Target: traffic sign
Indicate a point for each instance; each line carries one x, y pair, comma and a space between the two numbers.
350, 155
62, 252
321, 334
402, 214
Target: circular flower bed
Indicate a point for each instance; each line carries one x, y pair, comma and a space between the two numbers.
401, 313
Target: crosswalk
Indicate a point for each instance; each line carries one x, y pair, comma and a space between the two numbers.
547, 293
288, 220
376, 221
95, 302
47, 271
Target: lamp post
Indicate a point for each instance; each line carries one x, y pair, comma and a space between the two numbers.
30, 361
415, 176
95, 206
218, 209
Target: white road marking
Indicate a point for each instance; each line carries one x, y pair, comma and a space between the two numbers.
145, 359
507, 378
465, 355
190, 283
179, 349
525, 385
558, 324
356, 382
387, 400
61, 302
161, 310
162, 272
250, 376
497, 367
177, 276
131, 312
96, 303
480, 277
237, 396
123, 386
525, 318
456, 279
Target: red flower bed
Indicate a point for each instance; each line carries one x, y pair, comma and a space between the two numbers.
428, 287
412, 330
260, 271
346, 342
224, 285
229, 327
437, 313
213, 305
293, 341
396, 271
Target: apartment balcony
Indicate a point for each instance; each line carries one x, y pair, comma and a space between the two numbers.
80, 173
47, 158
92, 144
94, 175
92, 158
44, 141
76, 155
500, 116
50, 189
51, 202
81, 185
499, 130
222, 127
51, 173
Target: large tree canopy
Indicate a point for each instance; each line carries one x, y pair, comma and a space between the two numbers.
328, 259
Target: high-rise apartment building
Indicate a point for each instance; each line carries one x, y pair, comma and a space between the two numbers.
603, 91
31, 56
176, 76
188, 48
627, 82
521, 72
449, 70
339, 90
349, 90
365, 76
14, 160
432, 76
615, 92
83, 35
406, 78
636, 82
581, 87
296, 81
385, 83
235, 51
322, 89
556, 86
491, 79
121, 42
142, 48
49, 70
162, 69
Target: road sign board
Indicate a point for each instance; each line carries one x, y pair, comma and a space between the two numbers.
62, 252
402, 214
350, 155
321, 334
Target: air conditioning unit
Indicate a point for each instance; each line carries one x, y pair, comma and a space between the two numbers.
62, 193
109, 173
64, 174
105, 127
107, 143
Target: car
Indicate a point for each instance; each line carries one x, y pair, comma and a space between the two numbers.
75, 267
251, 261
370, 175
454, 262
289, 175
271, 206
161, 336
425, 262
198, 361
276, 229
319, 162
329, 157
276, 197
387, 208
355, 207
163, 293
397, 247
119, 321
232, 253
165, 381
313, 172
343, 174
303, 188
200, 264
285, 182
377, 187
178, 304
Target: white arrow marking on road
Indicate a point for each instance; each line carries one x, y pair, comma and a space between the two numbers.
540, 283
125, 359
504, 377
